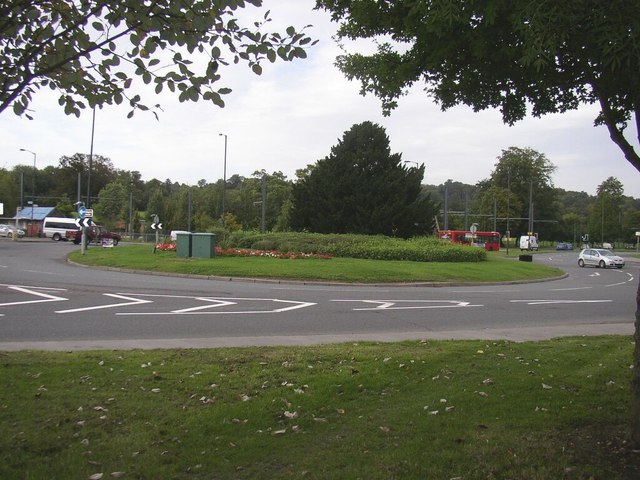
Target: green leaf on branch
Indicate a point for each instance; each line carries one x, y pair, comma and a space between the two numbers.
76, 45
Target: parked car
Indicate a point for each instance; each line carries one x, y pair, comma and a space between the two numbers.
10, 231
95, 233
599, 257
564, 246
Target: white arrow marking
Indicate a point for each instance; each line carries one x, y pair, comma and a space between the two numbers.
296, 305
218, 303
391, 304
47, 298
616, 284
549, 302
132, 301
380, 306
596, 274
30, 287
570, 289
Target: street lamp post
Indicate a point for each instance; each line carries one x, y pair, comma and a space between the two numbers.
508, 207
33, 183
224, 178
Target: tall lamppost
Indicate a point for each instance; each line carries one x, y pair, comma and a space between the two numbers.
224, 177
33, 183
508, 207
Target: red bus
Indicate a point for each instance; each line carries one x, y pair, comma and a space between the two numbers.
489, 240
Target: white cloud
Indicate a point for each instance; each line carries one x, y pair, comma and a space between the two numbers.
295, 112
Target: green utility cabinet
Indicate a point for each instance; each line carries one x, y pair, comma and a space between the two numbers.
203, 245
183, 245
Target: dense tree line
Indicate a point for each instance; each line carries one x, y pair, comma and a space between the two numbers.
520, 188
353, 190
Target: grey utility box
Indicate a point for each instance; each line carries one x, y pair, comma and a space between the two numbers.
203, 245
183, 245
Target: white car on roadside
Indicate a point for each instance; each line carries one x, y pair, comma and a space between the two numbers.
174, 234
10, 231
599, 257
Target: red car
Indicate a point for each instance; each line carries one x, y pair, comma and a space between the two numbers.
95, 233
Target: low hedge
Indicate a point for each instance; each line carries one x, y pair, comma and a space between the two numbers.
419, 249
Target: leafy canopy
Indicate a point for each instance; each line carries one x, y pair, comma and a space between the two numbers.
522, 176
96, 52
546, 55
361, 187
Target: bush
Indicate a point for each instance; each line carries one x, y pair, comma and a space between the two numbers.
419, 249
222, 235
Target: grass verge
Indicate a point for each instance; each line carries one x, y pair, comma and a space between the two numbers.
411, 410
141, 257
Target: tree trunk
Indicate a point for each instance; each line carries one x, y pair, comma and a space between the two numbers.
635, 381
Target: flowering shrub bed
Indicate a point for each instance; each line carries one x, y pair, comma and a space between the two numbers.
375, 247
315, 245
421, 249
245, 252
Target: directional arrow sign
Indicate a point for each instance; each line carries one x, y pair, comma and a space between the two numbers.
156, 226
84, 222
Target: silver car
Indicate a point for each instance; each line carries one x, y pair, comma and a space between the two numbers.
10, 231
599, 257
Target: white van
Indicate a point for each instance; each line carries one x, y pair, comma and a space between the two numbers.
56, 227
528, 242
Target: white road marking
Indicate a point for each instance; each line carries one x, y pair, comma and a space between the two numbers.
549, 302
422, 304
219, 302
46, 297
46, 289
132, 301
570, 289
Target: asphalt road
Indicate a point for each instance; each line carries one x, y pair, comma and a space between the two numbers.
47, 303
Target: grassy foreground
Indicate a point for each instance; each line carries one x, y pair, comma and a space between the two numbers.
141, 257
413, 410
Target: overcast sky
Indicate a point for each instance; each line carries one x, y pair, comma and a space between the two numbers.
294, 113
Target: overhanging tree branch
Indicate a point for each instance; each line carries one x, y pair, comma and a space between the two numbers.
67, 46
616, 133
